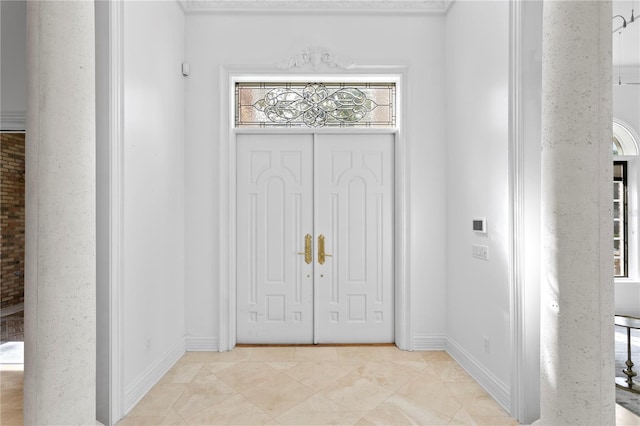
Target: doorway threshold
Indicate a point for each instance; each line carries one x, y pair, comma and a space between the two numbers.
309, 345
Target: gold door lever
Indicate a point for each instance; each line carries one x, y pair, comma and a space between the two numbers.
321, 253
308, 258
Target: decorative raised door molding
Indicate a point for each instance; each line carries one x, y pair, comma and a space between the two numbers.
316, 57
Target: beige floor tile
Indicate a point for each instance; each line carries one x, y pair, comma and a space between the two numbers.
235, 410
462, 418
319, 375
392, 353
325, 385
359, 354
398, 410
141, 421
432, 394
277, 354
278, 395
235, 355
435, 356
246, 375
494, 421
198, 357
316, 354
318, 410
449, 371
282, 365
202, 394
354, 393
416, 366
172, 419
214, 367
182, 373
158, 402
466, 389
208, 378
387, 374
482, 406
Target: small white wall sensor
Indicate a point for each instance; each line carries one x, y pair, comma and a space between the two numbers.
480, 225
186, 69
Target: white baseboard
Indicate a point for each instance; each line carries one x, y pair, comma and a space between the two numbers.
13, 121
485, 378
428, 342
143, 384
195, 344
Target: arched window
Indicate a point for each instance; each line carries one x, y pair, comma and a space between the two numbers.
625, 144
625, 139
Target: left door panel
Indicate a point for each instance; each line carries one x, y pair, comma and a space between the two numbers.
274, 214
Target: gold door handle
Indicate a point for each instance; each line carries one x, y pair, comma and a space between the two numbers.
308, 258
321, 253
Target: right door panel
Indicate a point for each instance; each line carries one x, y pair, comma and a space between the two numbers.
353, 211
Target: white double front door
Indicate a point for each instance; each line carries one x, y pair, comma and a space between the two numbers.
314, 238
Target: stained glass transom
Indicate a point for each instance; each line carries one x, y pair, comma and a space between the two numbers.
315, 105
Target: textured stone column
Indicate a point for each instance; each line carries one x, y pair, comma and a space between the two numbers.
60, 305
577, 346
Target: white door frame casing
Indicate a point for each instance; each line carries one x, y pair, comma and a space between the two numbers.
229, 75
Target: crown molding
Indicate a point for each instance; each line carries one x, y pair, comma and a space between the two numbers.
276, 6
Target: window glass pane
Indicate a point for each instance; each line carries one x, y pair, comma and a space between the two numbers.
618, 170
617, 147
620, 246
618, 189
315, 105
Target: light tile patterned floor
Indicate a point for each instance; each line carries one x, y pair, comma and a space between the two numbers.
317, 386
305, 386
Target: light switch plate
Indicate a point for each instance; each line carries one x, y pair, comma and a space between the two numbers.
480, 252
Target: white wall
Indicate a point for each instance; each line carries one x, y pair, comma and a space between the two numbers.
153, 193
372, 39
626, 98
626, 107
13, 66
477, 81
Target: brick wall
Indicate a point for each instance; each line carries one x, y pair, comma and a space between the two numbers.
12, 218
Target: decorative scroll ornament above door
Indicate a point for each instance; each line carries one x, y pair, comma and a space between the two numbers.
315, 57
